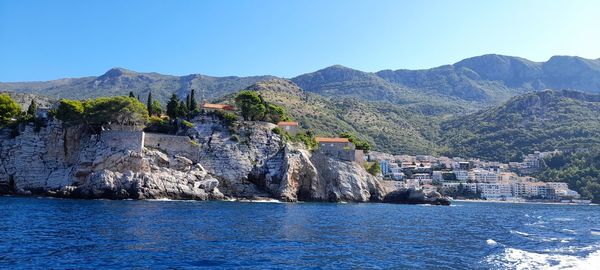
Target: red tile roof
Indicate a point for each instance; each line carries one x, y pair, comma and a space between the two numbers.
218, 106
331, 140
287, 123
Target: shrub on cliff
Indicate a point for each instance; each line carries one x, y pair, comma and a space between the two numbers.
156, 108
160, 125
227, 117
9, 109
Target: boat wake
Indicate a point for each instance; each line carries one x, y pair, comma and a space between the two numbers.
512, 258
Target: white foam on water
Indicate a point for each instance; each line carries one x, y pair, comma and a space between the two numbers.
512, 258
491, 242
539, 224
563, 219
569, 231
519, 233
261, 201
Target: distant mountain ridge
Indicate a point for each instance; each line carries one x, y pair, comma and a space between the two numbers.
467, 85
120, 81
486, 80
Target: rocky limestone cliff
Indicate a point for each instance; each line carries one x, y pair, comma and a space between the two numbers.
246, 161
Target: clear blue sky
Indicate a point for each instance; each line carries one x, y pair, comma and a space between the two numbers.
42, 40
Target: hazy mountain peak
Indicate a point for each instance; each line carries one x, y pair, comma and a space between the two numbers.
116, 72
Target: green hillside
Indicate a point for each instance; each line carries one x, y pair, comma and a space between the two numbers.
541, 121
390, 128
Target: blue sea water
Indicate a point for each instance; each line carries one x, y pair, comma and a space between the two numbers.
101, 234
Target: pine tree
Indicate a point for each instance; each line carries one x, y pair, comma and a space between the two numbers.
193, 104
173, 107
149, 104
131, 95
32, 108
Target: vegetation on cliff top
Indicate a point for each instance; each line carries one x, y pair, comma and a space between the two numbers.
9, 109
254, 108
106, 110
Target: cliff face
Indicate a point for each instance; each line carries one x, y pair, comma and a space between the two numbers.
245, 161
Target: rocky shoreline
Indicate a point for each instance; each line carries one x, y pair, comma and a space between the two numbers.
210, 162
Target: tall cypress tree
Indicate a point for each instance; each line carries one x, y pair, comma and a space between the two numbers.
187, 102
183, 110
32, 108
193, 104
149, 103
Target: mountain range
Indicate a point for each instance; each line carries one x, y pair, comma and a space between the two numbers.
472, 83
491, 106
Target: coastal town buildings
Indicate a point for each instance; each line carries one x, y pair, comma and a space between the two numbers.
481, 179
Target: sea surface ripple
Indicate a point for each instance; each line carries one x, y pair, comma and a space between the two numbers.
92, 234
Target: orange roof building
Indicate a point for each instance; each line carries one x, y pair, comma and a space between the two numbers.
287, 124
218, 107
331, 140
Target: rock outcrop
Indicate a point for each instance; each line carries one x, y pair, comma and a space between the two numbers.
413, 196
245, 161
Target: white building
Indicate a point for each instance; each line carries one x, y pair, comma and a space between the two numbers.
462, 175
437, 176
495, 190
485, 176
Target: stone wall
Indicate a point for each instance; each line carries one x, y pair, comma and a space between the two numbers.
123, 140
173, 145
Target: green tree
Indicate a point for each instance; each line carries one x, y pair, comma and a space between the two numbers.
275, 113
187, 102
32, 108
173, 107
375, 169
193, 103
251, 105
182, 110
9, 109
70, 111
117, 110
149, 104
156, 108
